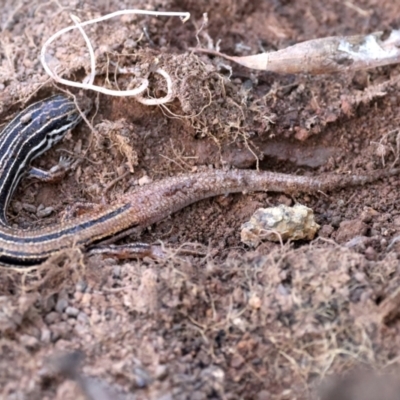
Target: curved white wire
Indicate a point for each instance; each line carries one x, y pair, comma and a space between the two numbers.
88, 81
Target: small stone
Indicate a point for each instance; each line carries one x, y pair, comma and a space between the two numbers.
28, 341
94, 189
61, 305
116, 272
95, 318
45, 335
142, 377
238, 295
349, 229
52, 318
17, 206
326, 231
396, 220
80, 329
33, 331
236, 361
263, 395
240, 323
161, 372
29, 207
45, 212
370, 254
60, 330
335, 222
83, 318
86, 298
72, 312
144, 180
255, 302
302, 134
49, 303
81, 286
78, 296
279, 223
283, 199
130, 44
368, 214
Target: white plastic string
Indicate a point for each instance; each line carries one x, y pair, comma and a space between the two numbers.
88, 81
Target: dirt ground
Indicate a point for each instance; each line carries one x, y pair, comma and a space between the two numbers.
315, 320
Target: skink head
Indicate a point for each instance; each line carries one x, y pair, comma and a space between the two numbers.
51, 118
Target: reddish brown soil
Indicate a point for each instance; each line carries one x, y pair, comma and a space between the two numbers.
224, 322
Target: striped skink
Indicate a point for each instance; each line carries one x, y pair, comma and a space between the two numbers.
44, 123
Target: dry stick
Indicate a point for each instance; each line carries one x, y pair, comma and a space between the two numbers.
325, 55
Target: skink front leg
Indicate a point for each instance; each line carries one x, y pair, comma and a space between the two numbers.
55, 173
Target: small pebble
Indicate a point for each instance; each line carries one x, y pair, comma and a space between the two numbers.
279, 223
49, 303
86, 298
263, 395
371, 254
78, 296
255, 302
29, 207
17, 206
45, 212
81, 286
83, 318
142, 377
144, 180
28, 341
60, 330
368, 214
283, 199
116, 272
72, 312
161, 372
61, 305
52, 318
45, 335
236, 361
326, 231
396, 221
336, 221
349, 229
80, 329
130, 44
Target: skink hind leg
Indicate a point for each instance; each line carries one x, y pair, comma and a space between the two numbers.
76, 209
